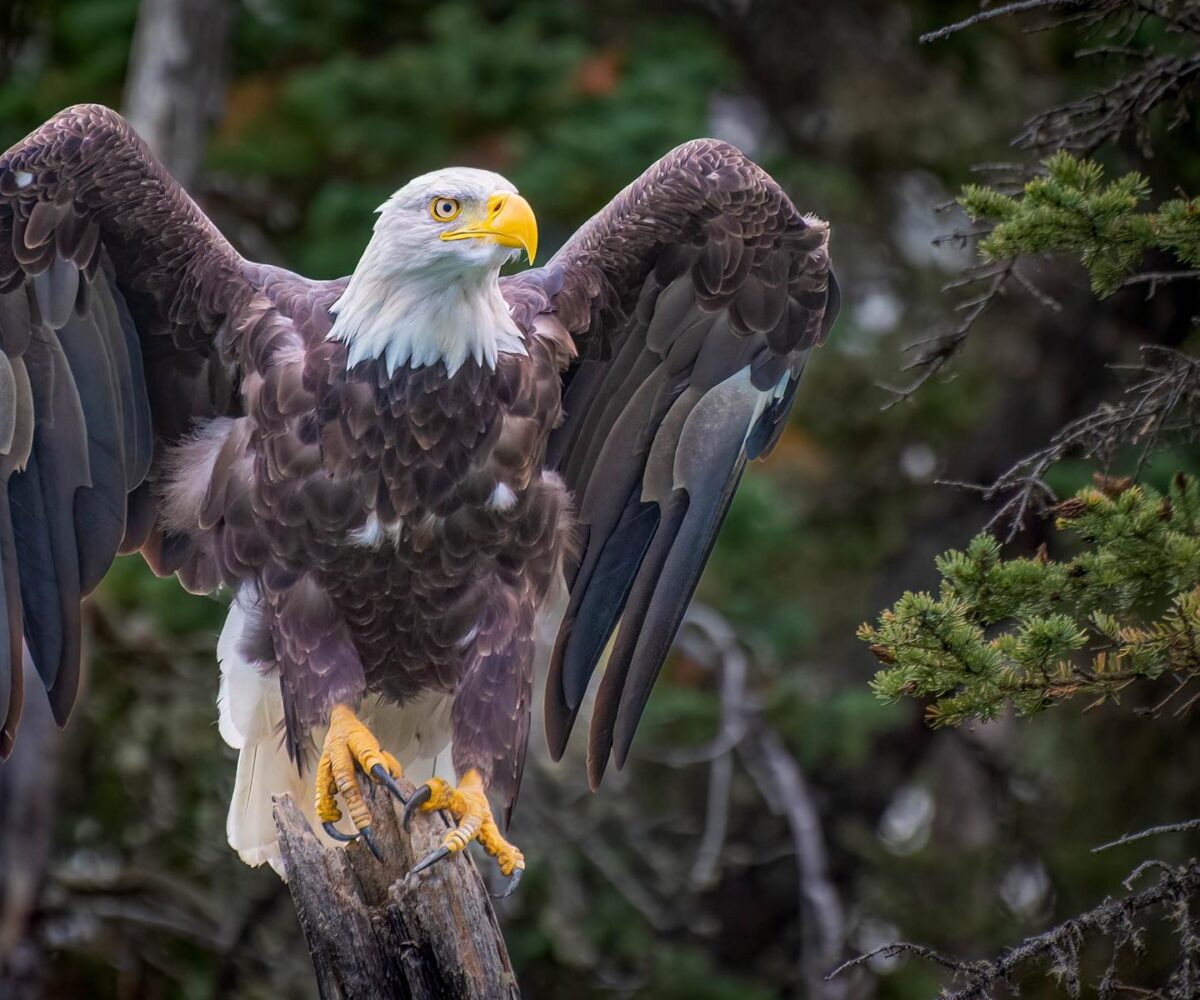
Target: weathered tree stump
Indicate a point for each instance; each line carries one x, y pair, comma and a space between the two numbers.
373, 932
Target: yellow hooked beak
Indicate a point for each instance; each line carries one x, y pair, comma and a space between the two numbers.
509, 222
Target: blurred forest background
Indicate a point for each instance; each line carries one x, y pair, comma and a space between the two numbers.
776, 817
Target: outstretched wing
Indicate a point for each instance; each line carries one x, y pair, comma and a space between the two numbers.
113, 289
694, 299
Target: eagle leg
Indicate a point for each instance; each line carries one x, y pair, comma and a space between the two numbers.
350, 745
468, 805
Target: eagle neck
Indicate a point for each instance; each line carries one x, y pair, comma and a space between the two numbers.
441, 312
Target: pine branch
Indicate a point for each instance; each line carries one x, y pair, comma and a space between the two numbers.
1028, 633
1072, 210
1086, 227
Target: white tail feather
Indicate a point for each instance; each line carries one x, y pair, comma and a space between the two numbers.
251, 721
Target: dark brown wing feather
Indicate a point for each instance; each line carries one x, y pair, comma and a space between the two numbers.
694, 298
113, 290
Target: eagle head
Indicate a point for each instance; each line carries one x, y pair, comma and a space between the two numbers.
427, 286
472, 218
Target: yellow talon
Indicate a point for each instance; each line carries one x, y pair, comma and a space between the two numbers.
347, 741
469, 806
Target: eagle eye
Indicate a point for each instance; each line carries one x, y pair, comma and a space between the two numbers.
444, 209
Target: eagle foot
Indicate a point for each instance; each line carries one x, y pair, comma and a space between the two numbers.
468, 805
350, 746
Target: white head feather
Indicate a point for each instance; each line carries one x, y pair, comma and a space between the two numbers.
417, 299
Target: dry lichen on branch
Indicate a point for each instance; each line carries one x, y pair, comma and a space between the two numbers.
1059, 952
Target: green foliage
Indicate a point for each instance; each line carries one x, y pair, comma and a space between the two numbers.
1029, 632
330, 106
533, 94
1072, 209
87, 47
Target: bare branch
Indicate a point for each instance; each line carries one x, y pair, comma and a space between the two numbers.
942, 347
1156, 278
1086, 124
895, 950
1154, 831
710, 639
733, 668
783, 784
1062, 946
1165, 401
990, 15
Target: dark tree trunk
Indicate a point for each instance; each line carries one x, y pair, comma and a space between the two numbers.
374, 933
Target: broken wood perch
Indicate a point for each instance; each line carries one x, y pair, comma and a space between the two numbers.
374, 933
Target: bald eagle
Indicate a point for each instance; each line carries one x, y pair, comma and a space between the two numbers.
393, 473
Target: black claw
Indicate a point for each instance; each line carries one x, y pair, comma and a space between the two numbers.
335, 833
432, 858
419, 798
369, 837
381, 775
513, 881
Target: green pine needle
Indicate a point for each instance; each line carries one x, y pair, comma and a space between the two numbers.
1072, 210
1029, 632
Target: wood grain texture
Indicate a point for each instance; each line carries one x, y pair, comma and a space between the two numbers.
373, 932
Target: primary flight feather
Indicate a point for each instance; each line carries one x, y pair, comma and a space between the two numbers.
396, 471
